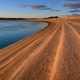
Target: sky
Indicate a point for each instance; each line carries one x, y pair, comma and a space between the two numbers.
38, 8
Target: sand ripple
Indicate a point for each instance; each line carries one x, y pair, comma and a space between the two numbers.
51, 54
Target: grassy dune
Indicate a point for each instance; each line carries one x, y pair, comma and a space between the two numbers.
51, 54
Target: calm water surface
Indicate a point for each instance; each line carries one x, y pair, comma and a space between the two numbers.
12, 31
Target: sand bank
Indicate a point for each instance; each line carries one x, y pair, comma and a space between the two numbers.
51, 54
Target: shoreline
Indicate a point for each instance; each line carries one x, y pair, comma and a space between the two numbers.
51, 54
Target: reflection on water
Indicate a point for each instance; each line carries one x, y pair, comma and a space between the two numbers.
12, 31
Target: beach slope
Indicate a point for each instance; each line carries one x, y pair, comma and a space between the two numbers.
51, 54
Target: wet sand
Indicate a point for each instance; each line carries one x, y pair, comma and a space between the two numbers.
51, 54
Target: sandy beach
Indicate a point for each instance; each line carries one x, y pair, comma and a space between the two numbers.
51, 54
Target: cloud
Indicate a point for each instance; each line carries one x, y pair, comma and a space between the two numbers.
38, 7
35, 6
76, 14
72, 5
74, 11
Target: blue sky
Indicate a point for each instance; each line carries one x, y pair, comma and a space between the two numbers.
36, 8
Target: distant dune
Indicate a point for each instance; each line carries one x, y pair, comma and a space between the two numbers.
51, 54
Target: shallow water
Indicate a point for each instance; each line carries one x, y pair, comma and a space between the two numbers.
12, 31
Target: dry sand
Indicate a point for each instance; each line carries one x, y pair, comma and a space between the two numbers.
51, 54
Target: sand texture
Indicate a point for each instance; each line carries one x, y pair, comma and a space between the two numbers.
51, 54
